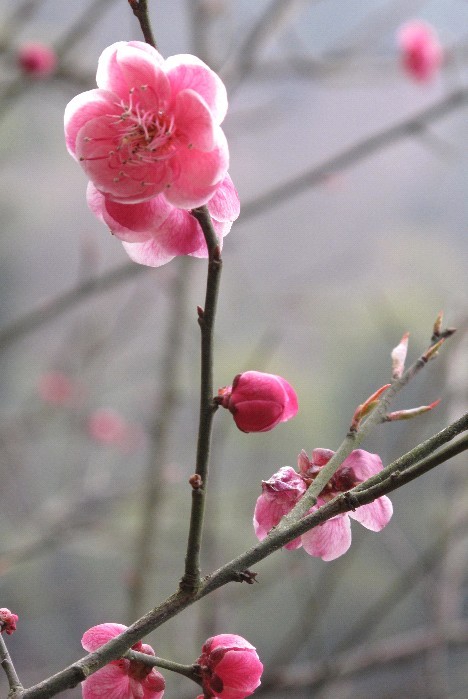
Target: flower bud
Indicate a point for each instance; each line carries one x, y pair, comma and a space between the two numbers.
7, 621
399, 357
259, 401
421, 52
36, 59
230, 667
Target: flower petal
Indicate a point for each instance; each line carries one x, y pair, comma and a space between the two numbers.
224, 205
186, 71
81, 109
195, 125
330, 539
96, 636
363, 463
376, 515
110, 682
109, 74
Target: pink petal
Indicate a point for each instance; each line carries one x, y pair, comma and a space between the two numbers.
257, 415
151, 87
81, 109
224, 205
153, 685
110, 682
240, 671
96, 636
267, 514
126, 221
330, 539
376, 515
189, 72
148, 253
195, 126
109, 74
199, 174
290, 404
363, 463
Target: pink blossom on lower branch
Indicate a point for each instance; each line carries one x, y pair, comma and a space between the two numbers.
230, 668
332, 538
7, 621
120, 679
258, 401
151, 127
153, 232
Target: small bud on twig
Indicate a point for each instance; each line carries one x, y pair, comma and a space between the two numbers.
431, 353
366, 407
196, 481
413, 412
399, 357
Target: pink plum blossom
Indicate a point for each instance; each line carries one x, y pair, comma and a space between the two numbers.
332, 538
279, 495
107, 426
230, 667
258, 401
36, 59
57, 388
421, 51
153, 232
151, 127
7, 621
120, 679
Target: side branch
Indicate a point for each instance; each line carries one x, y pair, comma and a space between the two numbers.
206, 317
7, 664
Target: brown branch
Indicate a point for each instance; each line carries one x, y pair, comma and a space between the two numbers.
140, 10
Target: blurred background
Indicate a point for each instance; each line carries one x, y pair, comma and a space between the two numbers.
331, 261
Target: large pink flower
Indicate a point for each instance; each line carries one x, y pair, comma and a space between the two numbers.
259, 401
152, 127
153, 232
421, 51
230, 667
120, 679
332, 538
279, 495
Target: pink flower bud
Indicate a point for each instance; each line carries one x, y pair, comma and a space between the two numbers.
7, 621
399, 357
421, 52
259, 401
36, 59
107, 427
230, 667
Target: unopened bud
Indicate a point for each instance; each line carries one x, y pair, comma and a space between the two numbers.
437, 325
366, 407
431, 353
399, 357
413, 412
7, 621
196, 481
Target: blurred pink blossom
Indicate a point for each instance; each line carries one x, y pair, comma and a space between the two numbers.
259, 401
120, 679
37, 59
230, 668
7, 621
421, 51
57, 388
152, 127
154, 231
107, 426
332, 538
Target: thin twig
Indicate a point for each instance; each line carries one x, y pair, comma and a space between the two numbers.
206, 317
7, 664
190, 671
140, 10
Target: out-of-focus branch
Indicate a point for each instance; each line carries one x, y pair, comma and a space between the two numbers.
153, 484
240, 63
312, 178
399, 648
56, 306
409, 127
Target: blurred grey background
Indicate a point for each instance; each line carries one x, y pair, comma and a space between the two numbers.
318, 286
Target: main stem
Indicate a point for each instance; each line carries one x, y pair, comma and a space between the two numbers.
190, 581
